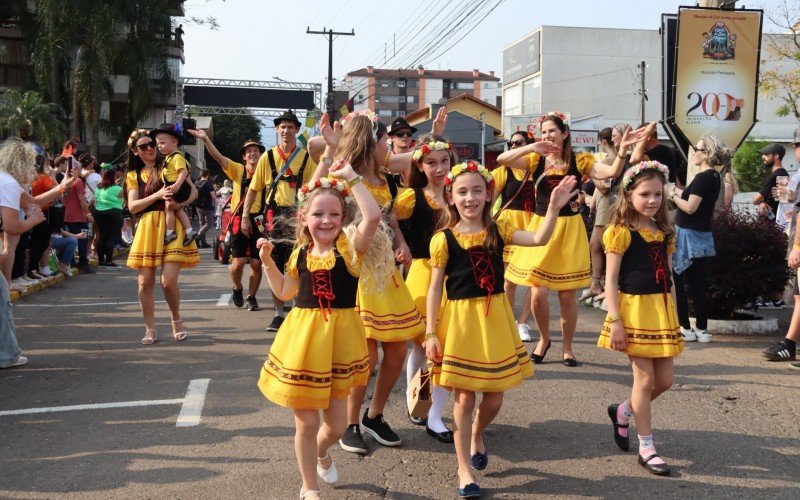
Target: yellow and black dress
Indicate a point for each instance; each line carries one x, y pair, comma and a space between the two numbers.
418, 217
389, 315
645, 302
148, 249
519, 213
562, 264
320, 351
482, 351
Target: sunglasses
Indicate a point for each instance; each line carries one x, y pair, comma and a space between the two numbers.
146, 146
403, 134
518, 142
698, 150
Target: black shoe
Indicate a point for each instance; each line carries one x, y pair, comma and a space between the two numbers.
111, 264
103, 264
189, 238
276, 323
417, 421
538, 358
479, 460
472, 490
442, 437
570, 361
380, 430
238, 299
85, 268
624, 443
657, 469
202, 243
781, 351
352, 440
169, 238
252, 305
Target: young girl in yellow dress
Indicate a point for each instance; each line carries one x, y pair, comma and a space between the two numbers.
642, 320
386, 307
471, 337
563, 264
319, 353
419, 210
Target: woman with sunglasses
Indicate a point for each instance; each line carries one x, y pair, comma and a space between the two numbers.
515, 190
694, 241
148, 199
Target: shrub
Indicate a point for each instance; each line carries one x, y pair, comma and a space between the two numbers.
747, 166
750, 262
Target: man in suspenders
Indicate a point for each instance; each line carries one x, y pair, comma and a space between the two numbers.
280, 172
242, 245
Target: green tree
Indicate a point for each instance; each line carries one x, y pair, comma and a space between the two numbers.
747, 166
230, 132
782, 81
29, 117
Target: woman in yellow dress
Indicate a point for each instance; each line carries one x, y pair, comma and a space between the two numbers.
563, 264
471, 339
319, 353
148, 199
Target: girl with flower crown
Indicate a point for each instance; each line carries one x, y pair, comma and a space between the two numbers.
419, 210
387, 310
642, 320
320, 353
471, 338
562, 264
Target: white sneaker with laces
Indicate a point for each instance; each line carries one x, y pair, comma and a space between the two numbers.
703, 336
688, 335
524, 332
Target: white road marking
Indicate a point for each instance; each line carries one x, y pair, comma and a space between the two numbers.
97, 406
95, 304
224, 299
193, 403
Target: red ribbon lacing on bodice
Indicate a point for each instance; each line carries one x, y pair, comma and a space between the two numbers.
528, 197
483, 272
322, 289
657, 258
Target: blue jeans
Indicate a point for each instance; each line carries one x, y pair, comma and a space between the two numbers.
65, 247
9, 350
83, 245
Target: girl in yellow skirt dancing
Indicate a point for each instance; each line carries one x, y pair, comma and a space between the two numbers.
562, 264
472, 338
319, 353
419, 210
386, 308
642, 320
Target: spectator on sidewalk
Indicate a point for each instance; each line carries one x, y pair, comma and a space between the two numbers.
40, 234
108, 215
205, 203
223, 196
78, 216
772, 158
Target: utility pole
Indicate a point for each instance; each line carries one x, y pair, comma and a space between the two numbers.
642, 89
483, 140
329, 34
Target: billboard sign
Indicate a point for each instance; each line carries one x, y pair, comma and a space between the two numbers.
521, 59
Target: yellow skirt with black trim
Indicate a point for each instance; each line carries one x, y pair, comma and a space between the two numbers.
148, 250
481, 352
313, 360
418, 281
390, 315
518, 219
656, 333
562, 264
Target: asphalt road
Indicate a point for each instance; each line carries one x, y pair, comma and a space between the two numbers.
729, 426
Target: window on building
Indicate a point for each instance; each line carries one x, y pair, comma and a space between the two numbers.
462, 85
411, 98
531, 96
512, 100
401, 83
412, 84
386, 112
391, 98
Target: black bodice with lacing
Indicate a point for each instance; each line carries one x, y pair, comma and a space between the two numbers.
317, 287
644, 268
473, 272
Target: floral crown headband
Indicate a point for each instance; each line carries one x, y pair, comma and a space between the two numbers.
373, 118
326, 182
131, 138
631, 173
424, 149
550, 114
468, 166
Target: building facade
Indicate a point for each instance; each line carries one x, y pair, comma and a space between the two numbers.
397, 92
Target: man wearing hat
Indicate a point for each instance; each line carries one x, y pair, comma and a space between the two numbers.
400, 133
772, 158
279, 174
242, 245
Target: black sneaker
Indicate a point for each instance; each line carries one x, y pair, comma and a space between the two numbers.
380, 430
781, 351
238, 299
252, 305
352, 440
277, 321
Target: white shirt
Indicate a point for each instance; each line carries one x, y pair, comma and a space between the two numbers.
786, 210
91, 181
10, 191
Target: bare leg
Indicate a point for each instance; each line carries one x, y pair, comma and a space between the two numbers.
541, 314
7, 256
172, 293
305, 446
598, 258
642, 393
184, 220
511, 292
255, 277
334, 425
525, 312
794, 327
147, 279
169, 218
569, 318
394, 356
487, 411
356, 397
463, 404
237, 270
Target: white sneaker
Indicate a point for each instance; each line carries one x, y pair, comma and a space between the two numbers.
45, 271
22, 360
331, 475
703, 336
39, 275
524, 332
65, 269
688, 335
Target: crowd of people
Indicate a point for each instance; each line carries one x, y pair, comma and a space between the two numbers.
381, 241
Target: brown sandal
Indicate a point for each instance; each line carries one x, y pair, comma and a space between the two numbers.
181, 335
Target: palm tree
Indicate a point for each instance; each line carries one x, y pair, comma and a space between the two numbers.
29, 117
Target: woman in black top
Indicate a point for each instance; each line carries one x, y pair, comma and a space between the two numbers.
694, 241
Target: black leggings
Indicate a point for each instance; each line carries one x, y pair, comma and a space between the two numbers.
40, 240
109, 225
695, 277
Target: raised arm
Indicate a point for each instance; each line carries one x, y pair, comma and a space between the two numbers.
331, 135
212, 150
370, 212
642, 134
602, 171
515, 158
